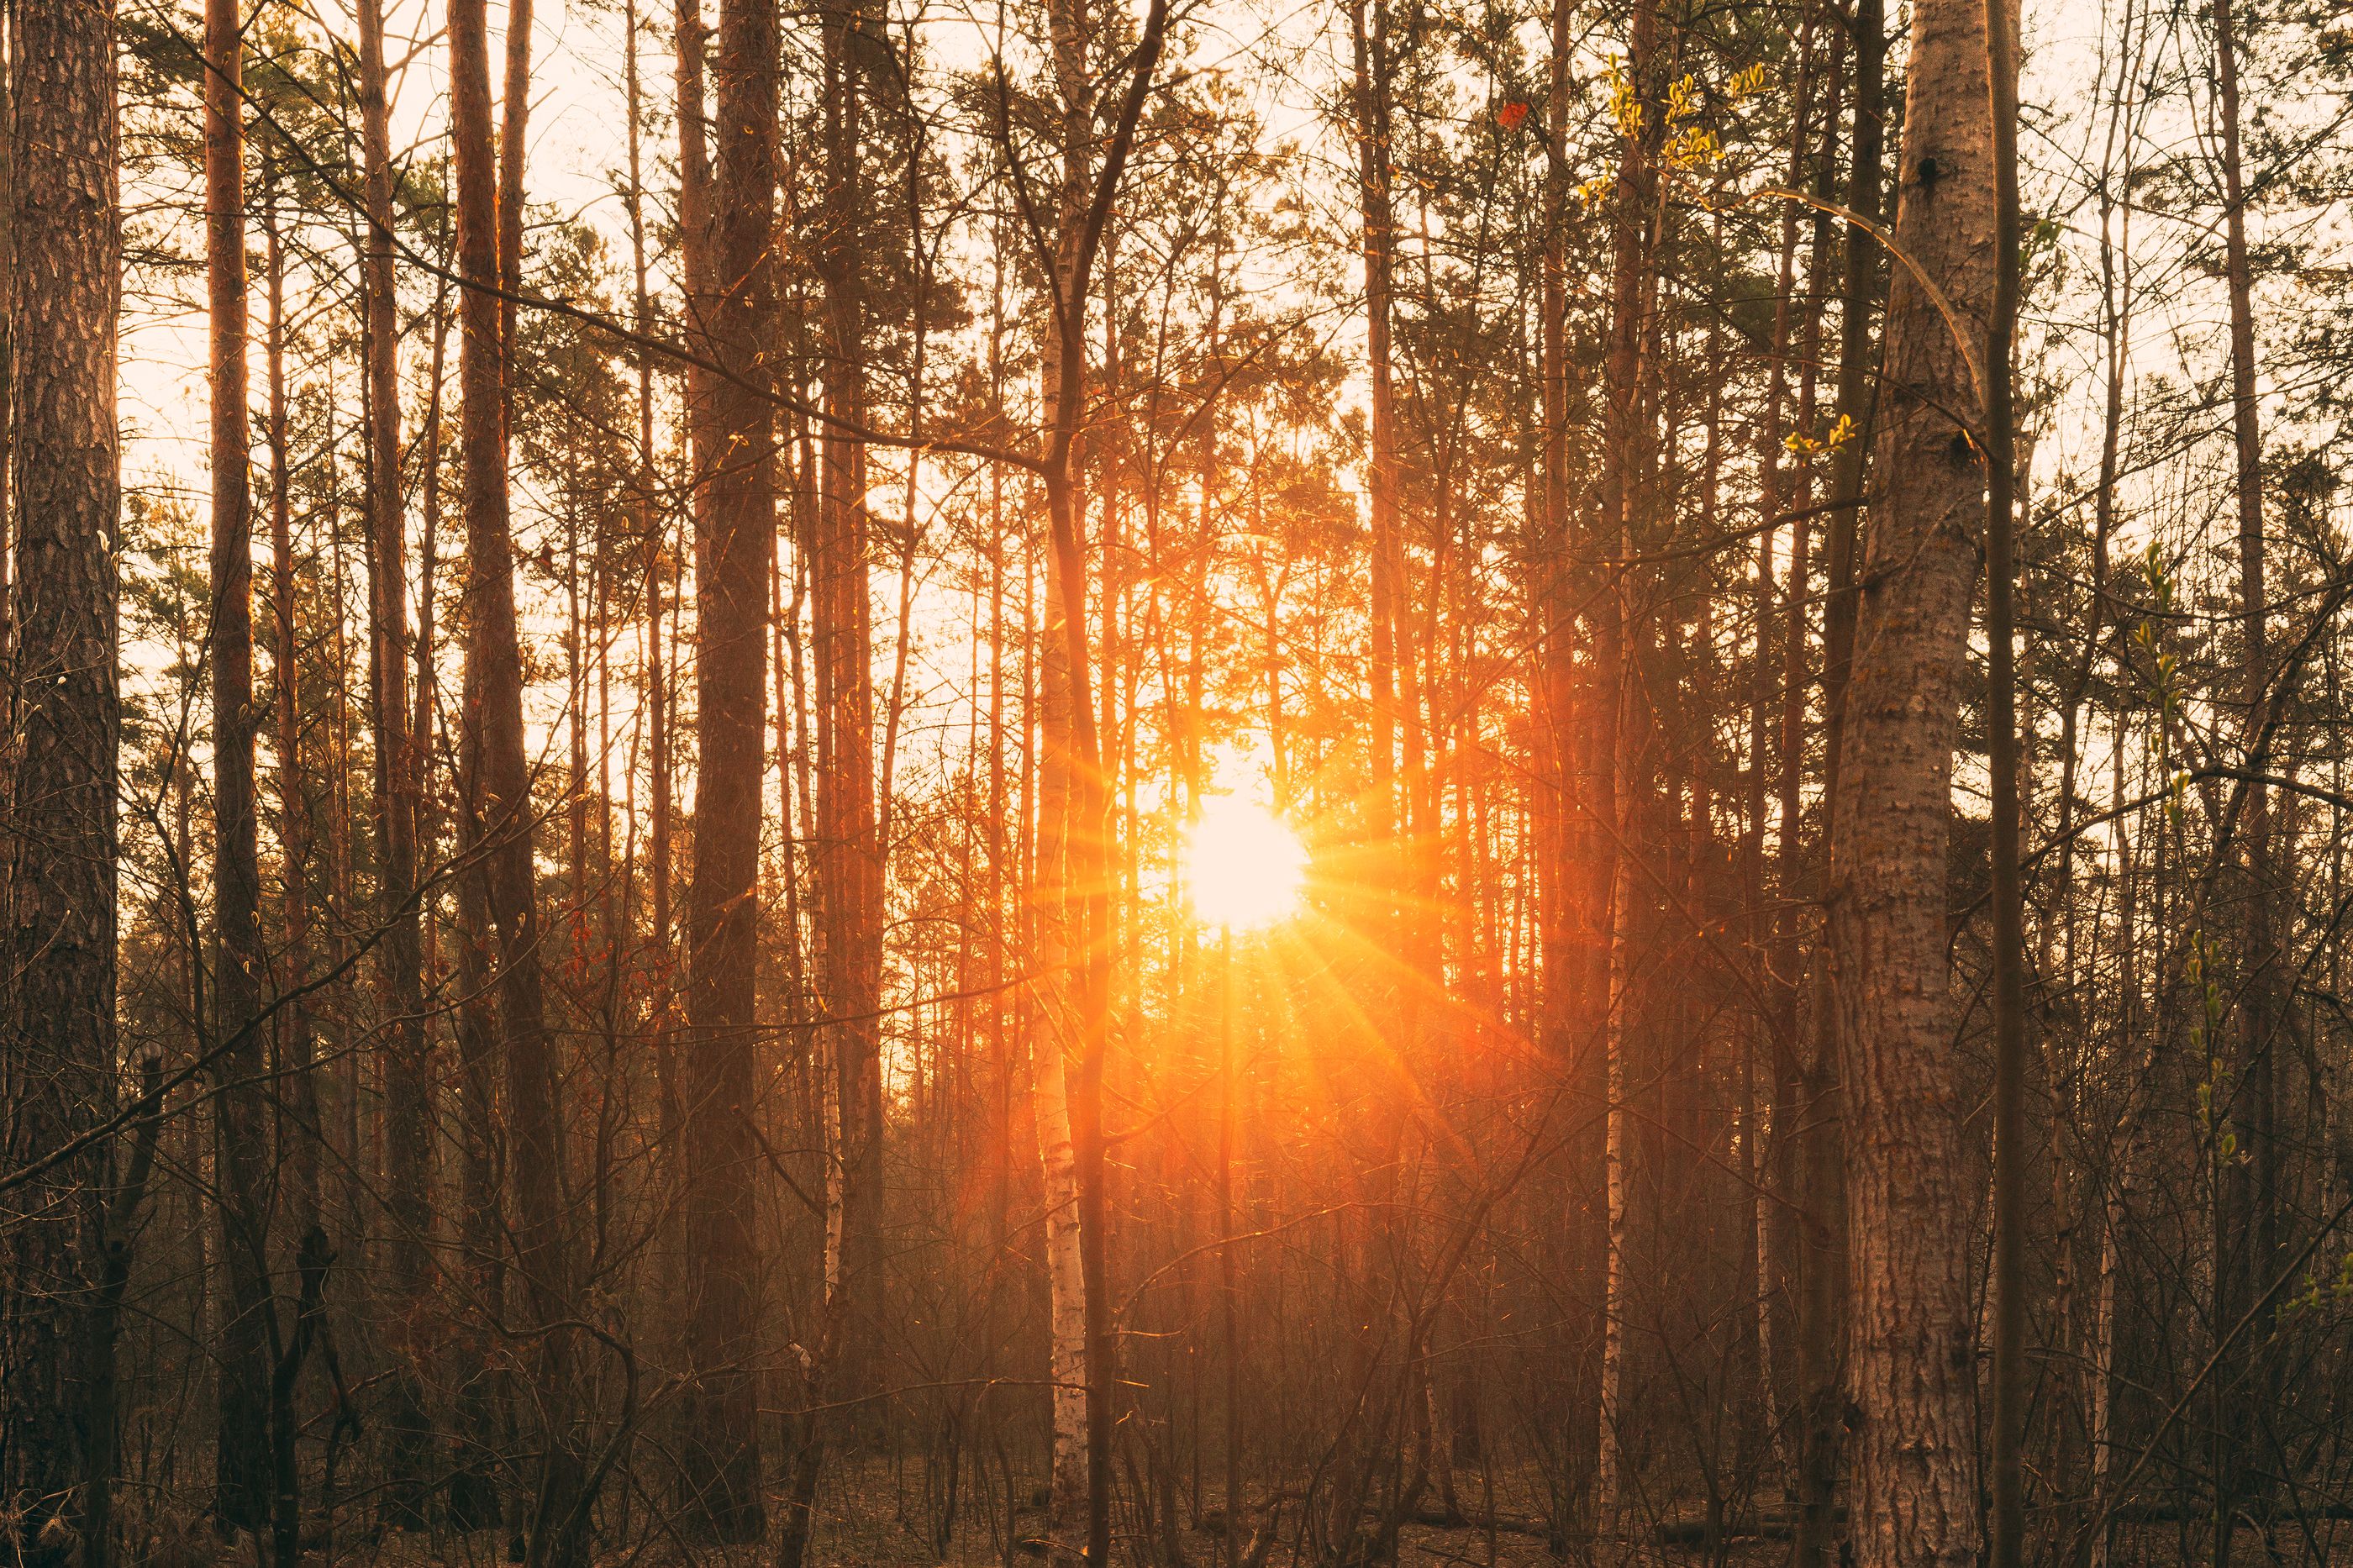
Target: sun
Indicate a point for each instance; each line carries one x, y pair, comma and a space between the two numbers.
1243, 866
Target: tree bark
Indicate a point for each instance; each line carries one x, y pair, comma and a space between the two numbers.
1913, 1345
1816, 1125
738, 548
408, 1132
848, 859
2252, 1187
1574, 945
241, 1101
58, 1051
514, 121
2006, 1526
498, 815
1622, 719
1071, 824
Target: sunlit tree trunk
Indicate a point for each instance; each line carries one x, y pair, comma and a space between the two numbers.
514, 124
694, 238
1912, 1431
1075, 916
1068, 825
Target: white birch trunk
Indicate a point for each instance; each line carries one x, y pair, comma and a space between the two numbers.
1066, 1285
2104, 1350
1609, 1463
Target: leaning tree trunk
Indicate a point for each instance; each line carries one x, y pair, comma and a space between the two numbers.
1913, 1429
57, 1052
241, 1103
720, 1148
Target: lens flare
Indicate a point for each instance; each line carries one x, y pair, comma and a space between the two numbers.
1243, 866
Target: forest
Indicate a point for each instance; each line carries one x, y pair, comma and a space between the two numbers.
1176, 783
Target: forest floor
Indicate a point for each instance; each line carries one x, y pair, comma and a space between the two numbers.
875, 1516
880, 1513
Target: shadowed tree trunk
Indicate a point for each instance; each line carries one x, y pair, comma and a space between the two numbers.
58, 1053
497, 819
2006, 1415
1575, 952
407, 1097
738, 545
2250, 1187
1620, 721
293, 968
241, 1104
848, 859
846, 862
1814, 1124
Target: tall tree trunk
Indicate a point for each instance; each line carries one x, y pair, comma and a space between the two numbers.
407, 1097
1394, 804
293, 1031
849, 870
1378, 221
2251, 1187
514, 123
845, 866
1914, 1489
694, 257
1070, 826
1816, 1124
57, 1055
1777, 1223
241, 1104
8, 183
498, 814
1620, 721
2006, 1527
1076, 915
1574, 947
738, 549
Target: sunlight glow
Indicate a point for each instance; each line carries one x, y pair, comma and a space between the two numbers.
1243, 866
